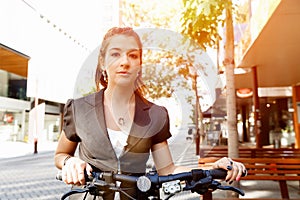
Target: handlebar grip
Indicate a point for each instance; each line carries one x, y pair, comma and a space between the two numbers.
221, 173
87, 177
198, 174
214, 173
218, 173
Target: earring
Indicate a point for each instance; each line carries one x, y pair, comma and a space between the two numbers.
104, 74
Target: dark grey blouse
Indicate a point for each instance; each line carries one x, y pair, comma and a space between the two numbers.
84, 122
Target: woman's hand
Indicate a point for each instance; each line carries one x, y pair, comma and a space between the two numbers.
234, 169
73, 171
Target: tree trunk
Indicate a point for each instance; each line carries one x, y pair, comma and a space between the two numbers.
233, 150
230, 88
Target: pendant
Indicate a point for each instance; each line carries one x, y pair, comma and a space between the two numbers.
121, 121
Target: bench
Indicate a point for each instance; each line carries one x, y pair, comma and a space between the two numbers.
247, 152
275, 169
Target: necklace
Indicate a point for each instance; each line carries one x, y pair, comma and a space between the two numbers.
119, 114
121, 121
121, 118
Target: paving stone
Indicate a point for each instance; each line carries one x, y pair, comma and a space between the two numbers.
32, 177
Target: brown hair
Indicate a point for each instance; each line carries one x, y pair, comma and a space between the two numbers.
127, 31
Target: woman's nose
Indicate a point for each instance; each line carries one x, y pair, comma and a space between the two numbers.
124, 62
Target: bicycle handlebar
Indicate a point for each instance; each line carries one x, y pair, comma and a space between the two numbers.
215, 173
197, 180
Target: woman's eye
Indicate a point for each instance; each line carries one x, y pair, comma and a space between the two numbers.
116, 54
134, 56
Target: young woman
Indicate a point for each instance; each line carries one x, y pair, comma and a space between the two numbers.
116, 127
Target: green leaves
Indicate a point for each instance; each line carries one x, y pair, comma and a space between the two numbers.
201, 20
162, 72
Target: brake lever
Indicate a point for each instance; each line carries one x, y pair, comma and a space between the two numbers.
201, 186
207, 183
74, 191
217, 185
90, 188
234, 189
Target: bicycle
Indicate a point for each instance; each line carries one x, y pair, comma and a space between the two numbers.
197, 180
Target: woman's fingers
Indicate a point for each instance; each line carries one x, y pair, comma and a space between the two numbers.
80, 173
241, 170
232, 174
81, 177
234, 169
231, 170
88, 169
73, 171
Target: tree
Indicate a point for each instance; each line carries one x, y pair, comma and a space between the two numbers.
201, 20
154, 13
164, 71
233, 148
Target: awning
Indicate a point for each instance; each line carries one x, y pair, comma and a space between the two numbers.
13, 61
276, 50
214, 112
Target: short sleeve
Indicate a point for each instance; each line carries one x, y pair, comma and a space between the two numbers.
69, 122
164, 133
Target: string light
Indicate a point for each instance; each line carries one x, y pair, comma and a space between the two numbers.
55, 27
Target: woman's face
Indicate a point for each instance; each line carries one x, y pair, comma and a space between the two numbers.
122, 61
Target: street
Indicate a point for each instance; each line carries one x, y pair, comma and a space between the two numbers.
32, 176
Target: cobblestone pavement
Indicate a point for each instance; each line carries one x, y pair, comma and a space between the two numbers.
25, 175
32, 176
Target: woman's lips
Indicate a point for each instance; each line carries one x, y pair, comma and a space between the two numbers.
123, 72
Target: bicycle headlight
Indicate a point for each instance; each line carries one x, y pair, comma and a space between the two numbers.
143, 183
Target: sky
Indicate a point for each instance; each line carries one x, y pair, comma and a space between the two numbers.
57, 36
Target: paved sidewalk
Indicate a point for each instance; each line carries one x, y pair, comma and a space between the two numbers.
25, 175
253, 189
29, 176
9, 149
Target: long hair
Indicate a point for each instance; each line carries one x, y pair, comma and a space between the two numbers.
99, 77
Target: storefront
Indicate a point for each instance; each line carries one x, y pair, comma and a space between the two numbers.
15, 106
15, 121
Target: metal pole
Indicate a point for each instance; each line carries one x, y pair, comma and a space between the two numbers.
35, 136
197, 136
257, 122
